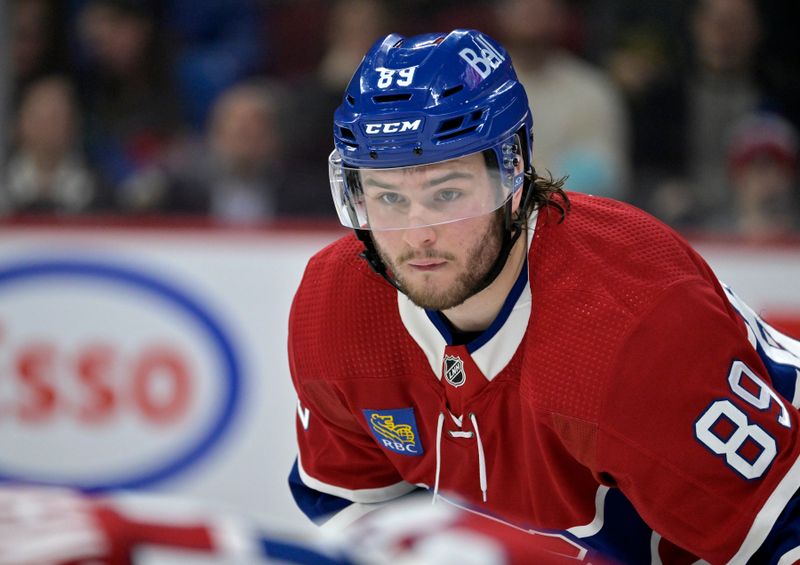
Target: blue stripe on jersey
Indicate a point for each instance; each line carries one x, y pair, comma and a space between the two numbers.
516, 291
436, 319
784, 375
624, 537
505, 311
284, 552
316, 505
784, 536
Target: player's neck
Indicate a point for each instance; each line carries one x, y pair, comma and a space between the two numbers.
479, 311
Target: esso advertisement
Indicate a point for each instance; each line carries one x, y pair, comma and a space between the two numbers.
110, 377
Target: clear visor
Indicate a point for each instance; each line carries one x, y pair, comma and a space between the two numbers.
424, 195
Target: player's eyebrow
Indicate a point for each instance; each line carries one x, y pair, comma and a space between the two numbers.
448, 177
372, 182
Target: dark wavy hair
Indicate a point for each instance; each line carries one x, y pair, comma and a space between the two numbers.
547, 194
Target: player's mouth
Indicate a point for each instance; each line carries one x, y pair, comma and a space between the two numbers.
427, 264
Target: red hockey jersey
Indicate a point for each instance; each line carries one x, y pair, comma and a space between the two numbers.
621, 396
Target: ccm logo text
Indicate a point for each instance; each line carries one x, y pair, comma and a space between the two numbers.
392, 127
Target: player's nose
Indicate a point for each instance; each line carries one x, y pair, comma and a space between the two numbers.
420, 237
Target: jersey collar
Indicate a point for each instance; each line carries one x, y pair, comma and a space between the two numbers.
493, 348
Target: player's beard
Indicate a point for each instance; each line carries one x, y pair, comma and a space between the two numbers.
479, 261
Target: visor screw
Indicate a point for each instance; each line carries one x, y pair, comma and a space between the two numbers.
373, 154
418, 150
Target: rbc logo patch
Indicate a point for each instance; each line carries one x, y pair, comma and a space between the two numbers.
396, 430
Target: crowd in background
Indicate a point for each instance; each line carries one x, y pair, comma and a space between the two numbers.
223, 108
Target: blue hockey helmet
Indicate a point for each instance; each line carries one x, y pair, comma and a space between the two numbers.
424, 100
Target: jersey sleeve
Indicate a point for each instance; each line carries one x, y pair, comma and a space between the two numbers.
336, 456
695, 435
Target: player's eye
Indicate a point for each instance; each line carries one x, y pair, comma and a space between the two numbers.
392, 198
448, 195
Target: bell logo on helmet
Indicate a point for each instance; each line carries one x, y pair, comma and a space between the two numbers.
381, 128
485, 60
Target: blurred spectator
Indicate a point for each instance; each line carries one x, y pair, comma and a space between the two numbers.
762, 165
36, 43
46, 172
289, 26
722, 91
131, 105
216, 45
353, 26
236, 175
641, 66
779, 63
579, 115
149, 68
681, 123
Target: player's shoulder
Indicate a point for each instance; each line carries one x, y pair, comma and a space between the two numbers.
601, 273
615, 221
339, 255
612, 249
337, 270
336, 305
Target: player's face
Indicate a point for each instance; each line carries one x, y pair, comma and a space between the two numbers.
440, 266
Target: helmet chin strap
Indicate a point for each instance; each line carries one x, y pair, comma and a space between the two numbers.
513, 229
371, 256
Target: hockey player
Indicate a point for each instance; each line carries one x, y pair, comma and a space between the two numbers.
562, 362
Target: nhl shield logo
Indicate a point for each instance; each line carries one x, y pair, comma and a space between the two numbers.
454, 370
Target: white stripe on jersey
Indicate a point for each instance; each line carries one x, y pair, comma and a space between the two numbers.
367, 495
581, 552
655, 558
422, 330
349, 514
792, 556
796, 398
766, 518
493, 356
596, 524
